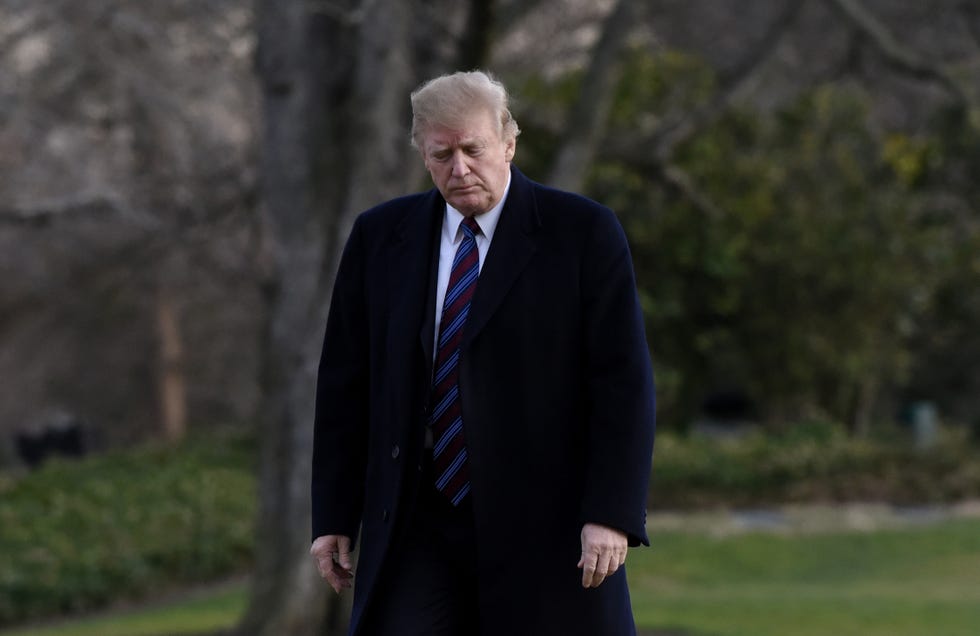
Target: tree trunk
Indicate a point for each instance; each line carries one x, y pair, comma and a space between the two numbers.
287, 597
587, 120
171, 378
335, 80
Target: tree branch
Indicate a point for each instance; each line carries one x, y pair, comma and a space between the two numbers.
675, 178
474, 45
745, 73
591, 111
670, 175
513, 13
971, 15
45, 214
347, 16
902, 59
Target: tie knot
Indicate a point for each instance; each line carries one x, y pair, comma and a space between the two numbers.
470, 227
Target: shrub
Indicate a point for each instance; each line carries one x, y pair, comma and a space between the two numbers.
761, 469
75, 535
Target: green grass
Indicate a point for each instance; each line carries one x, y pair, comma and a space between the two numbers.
922, 581
205, 614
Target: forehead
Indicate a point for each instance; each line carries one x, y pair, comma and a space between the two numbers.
478, 127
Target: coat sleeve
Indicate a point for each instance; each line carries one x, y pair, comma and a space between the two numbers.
341, 418
621, 418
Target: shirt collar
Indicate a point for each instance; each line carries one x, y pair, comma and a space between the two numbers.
487, 221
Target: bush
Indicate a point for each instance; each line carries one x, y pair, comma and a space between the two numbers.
76, 535
761, 469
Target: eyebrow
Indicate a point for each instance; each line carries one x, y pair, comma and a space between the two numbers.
465, 143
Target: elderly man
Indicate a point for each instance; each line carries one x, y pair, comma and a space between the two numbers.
485, 407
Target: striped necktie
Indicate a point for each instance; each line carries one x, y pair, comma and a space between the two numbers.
449, 449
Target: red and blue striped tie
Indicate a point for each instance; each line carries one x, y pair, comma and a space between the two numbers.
449, 449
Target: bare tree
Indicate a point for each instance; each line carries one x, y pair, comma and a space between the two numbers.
900, 58
335, 78
123, 173
586, 122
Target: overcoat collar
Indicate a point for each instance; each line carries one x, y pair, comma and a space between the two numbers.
511, 249
414, 255
412, 262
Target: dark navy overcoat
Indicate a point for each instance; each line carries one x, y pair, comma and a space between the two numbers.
557, 402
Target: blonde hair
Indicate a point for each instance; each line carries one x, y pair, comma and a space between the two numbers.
450, 100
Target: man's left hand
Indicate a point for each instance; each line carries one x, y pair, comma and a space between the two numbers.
603, 551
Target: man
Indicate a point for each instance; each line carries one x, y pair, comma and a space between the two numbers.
485, 408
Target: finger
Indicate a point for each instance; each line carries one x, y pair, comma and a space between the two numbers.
588, 565
321, 552
612, 565
323, 545
618, 558
598, 575
339, 579
605, 567
325, 564
343, 548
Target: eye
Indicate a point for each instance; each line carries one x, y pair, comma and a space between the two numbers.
441, 155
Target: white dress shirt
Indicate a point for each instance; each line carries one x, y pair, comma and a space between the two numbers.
451, 237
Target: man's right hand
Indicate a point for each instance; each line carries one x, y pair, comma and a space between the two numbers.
332, 555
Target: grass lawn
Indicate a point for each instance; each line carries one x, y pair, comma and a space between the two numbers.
915, 581
205, 613
903, 582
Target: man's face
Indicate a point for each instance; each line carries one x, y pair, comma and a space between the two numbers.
470, 165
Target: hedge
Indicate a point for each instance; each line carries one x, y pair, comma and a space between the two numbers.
763, 469
77, 535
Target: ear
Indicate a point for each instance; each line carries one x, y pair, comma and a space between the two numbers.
510, 149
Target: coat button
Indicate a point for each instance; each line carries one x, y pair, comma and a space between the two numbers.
395, 451
384, 515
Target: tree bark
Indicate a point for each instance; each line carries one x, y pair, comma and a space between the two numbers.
475, 43
171, 378
738, 81
588, 117
899, 57
335, 79
287, 598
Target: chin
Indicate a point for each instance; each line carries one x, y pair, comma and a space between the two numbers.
469, 206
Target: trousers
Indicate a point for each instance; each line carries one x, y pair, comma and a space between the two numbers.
428, 585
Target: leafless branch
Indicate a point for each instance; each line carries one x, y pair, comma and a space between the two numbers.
590, 112
49, 212
971, 16
12, 36
513, 13
346, 16
745, 73
670, 175
900, 58
677, 179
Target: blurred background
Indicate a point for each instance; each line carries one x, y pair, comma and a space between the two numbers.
800, 185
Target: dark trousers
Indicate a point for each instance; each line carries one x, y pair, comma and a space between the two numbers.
428, 584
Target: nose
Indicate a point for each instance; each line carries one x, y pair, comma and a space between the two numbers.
460, 169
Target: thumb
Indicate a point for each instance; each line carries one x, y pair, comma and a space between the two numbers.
343, 548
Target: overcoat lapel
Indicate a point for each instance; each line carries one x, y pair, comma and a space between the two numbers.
510, 251
410, 264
